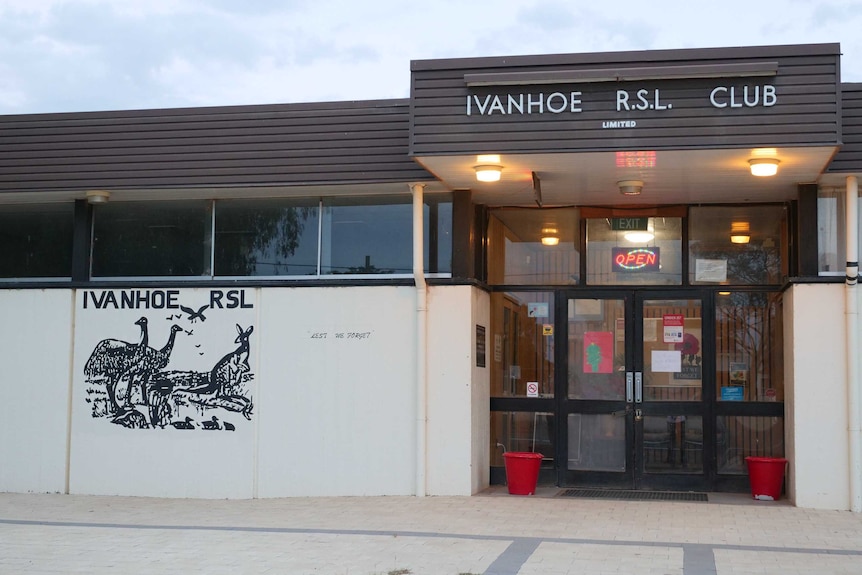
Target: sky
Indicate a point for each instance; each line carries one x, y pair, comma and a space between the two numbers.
85, 55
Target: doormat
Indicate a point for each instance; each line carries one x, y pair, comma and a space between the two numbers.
636, 495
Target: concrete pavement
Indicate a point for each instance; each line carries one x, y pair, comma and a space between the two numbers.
491, 533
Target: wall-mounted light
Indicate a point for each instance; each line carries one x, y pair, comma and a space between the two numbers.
550, 237
98, 196
630, 187
763, 166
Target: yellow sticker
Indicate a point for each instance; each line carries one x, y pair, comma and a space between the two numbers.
547, 329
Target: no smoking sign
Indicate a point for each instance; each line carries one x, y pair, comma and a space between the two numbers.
532, 389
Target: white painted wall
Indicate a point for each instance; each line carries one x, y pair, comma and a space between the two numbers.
481, 397
816, 396
457, 392
35, 344
331, 415
337, 413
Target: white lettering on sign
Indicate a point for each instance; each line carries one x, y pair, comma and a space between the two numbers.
619, 124
644, 100
724, 96
555, 103
636, 100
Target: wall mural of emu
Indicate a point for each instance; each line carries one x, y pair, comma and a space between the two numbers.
129, 383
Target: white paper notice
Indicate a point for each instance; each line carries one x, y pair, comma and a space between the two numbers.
710, 270
650, 328
667, 361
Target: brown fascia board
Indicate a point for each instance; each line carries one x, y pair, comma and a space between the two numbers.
205, 111
638, 56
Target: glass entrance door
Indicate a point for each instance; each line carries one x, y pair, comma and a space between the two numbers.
634, 407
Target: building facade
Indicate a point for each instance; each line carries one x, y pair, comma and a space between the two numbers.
576, 255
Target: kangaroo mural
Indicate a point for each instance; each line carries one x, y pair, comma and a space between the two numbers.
140, 392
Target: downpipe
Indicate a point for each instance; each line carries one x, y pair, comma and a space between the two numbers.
421, 339
854, 417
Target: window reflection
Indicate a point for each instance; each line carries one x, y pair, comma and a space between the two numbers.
156, 239
749, 342
648, 255
739, 245
266, 237
373, 235
522, 341
36, 240
533, 246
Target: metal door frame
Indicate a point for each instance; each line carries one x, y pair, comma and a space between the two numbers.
635, 476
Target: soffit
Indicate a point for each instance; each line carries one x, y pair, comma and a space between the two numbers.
676, 177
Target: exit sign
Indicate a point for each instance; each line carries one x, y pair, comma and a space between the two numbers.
630, 224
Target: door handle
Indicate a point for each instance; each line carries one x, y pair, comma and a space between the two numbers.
629, 387
639, 387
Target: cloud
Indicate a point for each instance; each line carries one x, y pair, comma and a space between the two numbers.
70, 55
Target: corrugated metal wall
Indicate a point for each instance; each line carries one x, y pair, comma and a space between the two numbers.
849, 158
807, 110
290, 144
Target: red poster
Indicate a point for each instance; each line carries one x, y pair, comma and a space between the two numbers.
599, 352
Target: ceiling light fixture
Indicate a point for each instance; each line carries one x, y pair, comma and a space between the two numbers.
550, 237
489, 173
740, 232
639, 237
763, 167
488, 168
630, 187
98, 196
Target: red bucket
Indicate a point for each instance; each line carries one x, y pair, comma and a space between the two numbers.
767, 477
522, 471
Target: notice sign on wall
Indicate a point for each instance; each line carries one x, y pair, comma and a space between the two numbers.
480, 345
672, 324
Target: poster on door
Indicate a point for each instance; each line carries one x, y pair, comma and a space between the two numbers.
672, 324
598, 352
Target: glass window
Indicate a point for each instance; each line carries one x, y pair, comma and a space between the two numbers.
831, 232
749, 343
597, 442
438, 233
673, 444
275, 237
152, 239
522, 340
634, 251
531, 246
740, 436
36, 240
596, 348
742, 245
522, 431
374, 235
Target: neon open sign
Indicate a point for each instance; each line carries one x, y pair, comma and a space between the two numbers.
636, 259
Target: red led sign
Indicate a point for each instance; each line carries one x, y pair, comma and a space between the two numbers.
635, 259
